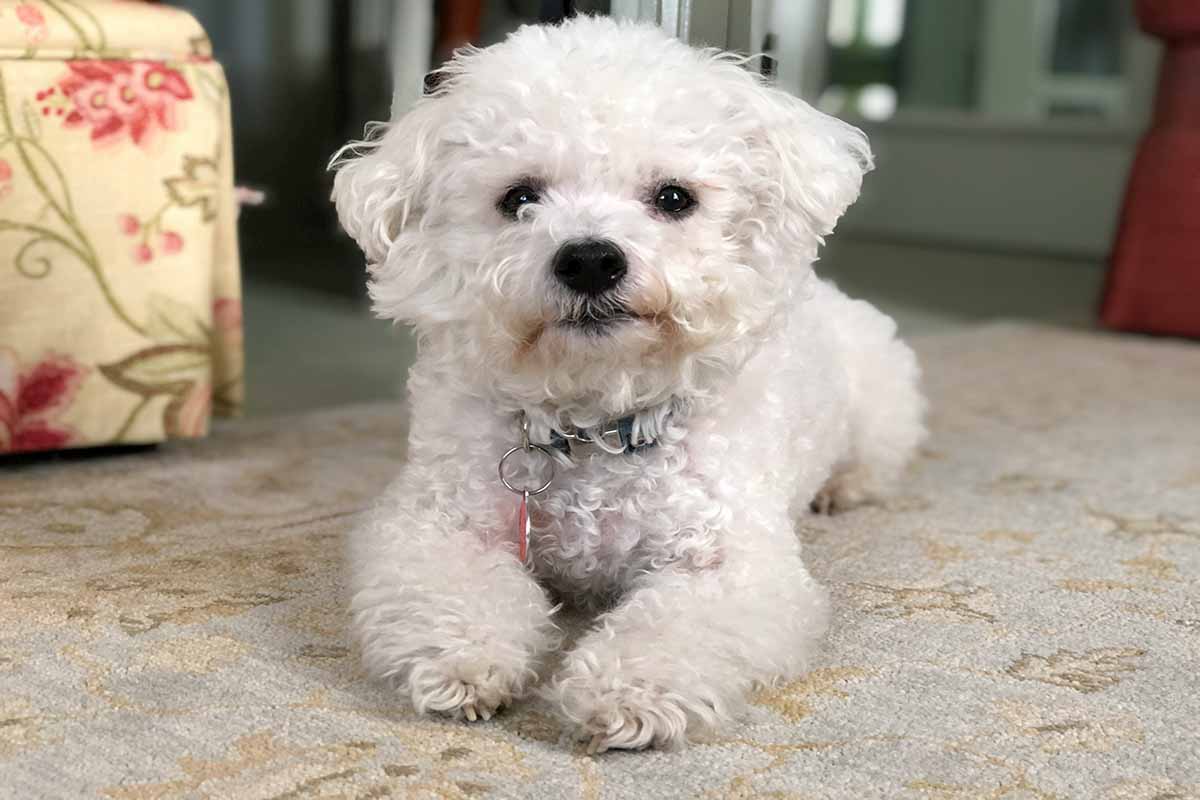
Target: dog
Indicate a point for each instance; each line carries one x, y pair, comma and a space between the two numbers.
603, 239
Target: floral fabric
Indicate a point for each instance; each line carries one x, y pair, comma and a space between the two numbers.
120, 304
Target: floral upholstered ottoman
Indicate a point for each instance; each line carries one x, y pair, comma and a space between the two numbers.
120, 309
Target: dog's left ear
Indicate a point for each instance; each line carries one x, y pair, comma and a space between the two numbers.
807, 166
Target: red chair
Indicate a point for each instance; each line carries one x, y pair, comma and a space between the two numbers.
1154, 277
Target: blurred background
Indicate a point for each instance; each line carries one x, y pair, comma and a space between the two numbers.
1004, 131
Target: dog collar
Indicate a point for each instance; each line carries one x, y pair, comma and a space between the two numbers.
616, 436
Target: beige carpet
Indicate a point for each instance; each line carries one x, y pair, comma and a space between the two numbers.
1023, 622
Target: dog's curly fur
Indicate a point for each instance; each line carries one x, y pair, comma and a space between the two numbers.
764, 387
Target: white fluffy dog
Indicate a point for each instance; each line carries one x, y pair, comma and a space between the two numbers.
600, 233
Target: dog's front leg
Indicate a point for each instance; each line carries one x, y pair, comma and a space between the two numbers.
679, 654
447, 616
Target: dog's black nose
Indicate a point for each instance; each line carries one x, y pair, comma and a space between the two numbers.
589, 266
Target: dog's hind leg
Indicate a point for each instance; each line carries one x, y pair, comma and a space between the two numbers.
885, 407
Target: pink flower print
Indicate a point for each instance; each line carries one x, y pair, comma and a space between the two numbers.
227, 318
34, 21
30, 15
153, 240
190, 415
30, 399
112, 97
171, 242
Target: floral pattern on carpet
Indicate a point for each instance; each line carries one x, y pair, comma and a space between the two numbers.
1022, 621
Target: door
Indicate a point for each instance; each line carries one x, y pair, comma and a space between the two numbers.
998, 125
710, 23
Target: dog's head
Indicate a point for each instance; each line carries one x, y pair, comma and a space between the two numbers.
596, 216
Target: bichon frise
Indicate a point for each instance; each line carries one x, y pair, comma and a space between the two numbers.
603, 239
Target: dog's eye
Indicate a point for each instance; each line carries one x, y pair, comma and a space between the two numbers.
672, 199
517, 197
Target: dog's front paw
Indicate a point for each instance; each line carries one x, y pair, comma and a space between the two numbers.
622, 712
635, 724
462, 690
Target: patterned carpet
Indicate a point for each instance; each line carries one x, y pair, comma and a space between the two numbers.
1022, 622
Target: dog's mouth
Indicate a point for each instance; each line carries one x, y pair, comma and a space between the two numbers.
596, 321
584, 324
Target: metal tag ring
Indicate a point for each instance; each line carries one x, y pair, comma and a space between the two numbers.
519, 449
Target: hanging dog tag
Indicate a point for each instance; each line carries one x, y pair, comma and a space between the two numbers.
523, 523
523, 528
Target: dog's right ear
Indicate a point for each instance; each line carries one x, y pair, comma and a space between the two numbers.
382, 181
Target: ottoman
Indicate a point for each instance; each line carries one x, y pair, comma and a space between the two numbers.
120, 303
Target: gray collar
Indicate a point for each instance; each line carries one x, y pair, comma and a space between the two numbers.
615, 436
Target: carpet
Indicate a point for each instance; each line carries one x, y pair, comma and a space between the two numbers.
1022, 621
